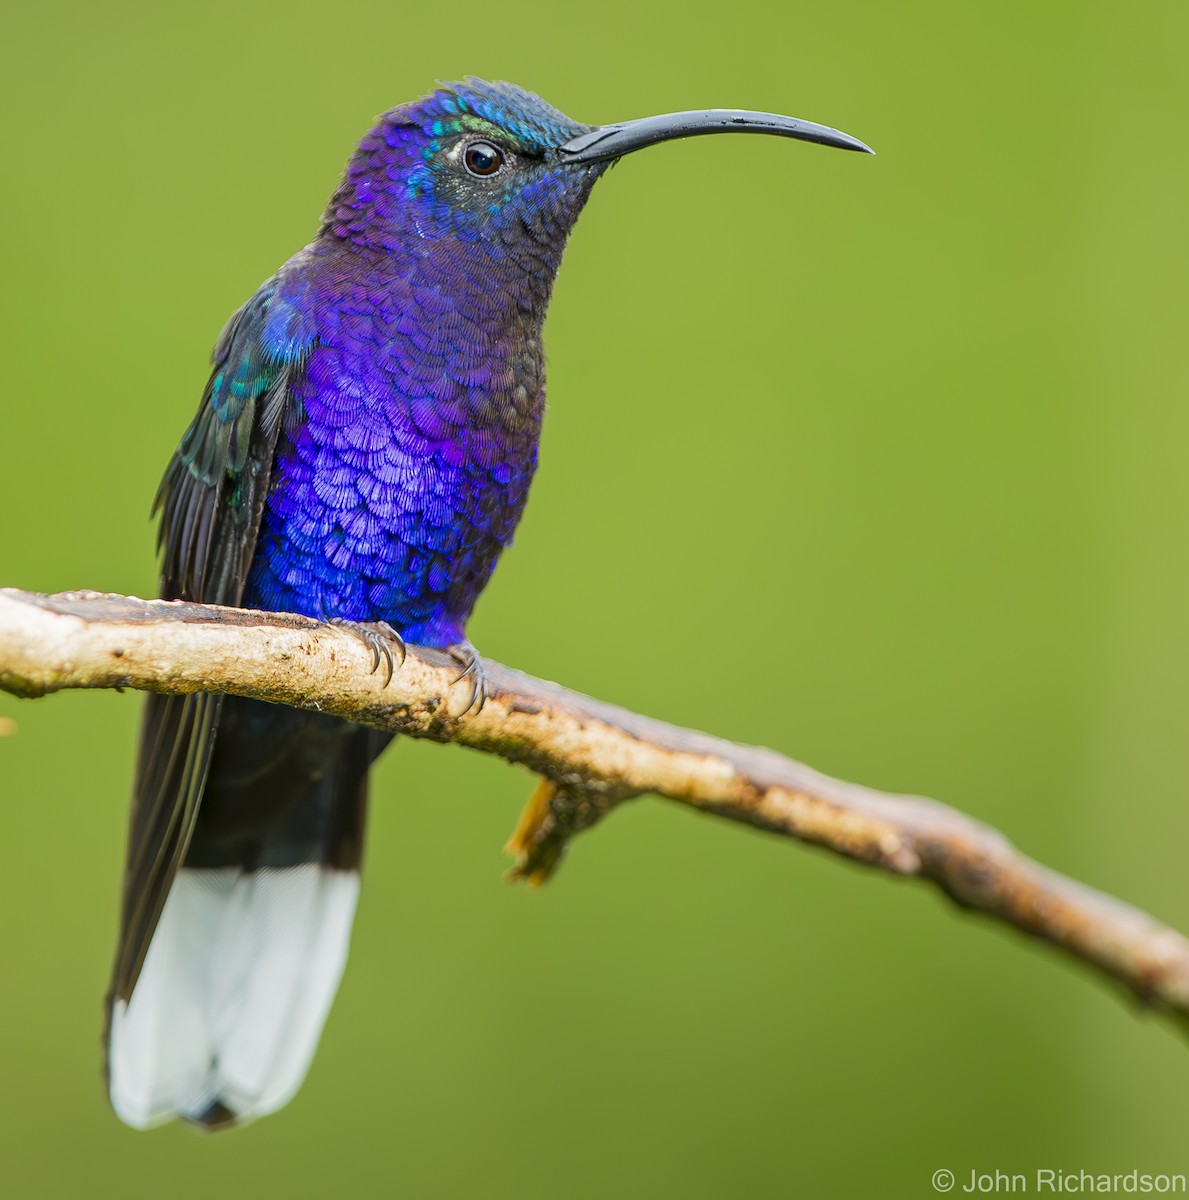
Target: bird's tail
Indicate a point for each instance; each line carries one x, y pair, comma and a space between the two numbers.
225, 1015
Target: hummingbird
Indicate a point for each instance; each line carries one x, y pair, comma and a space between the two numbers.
361, 454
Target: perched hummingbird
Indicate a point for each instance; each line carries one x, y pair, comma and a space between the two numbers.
362, 453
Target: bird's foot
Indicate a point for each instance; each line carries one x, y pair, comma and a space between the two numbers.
380, 638
468, 658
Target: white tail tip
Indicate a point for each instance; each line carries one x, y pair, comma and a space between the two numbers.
226, 1015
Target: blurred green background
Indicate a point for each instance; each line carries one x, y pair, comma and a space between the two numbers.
875, 461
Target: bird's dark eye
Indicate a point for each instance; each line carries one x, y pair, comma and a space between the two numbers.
483, 159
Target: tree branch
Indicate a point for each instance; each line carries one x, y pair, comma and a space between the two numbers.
592, 756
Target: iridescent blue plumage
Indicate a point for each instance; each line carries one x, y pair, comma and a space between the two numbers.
422, 394
403, 479
363, 452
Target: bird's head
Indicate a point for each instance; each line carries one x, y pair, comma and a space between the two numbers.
492, 169
473, 163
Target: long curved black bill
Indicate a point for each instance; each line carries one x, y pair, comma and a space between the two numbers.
613, 141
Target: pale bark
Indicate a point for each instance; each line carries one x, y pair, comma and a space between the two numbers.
591, 755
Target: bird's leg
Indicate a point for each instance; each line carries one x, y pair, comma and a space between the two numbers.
379, 637
468, 658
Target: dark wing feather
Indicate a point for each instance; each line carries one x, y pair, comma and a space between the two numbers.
210, 502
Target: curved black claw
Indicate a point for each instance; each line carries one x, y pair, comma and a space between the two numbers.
472, 665
379, 637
